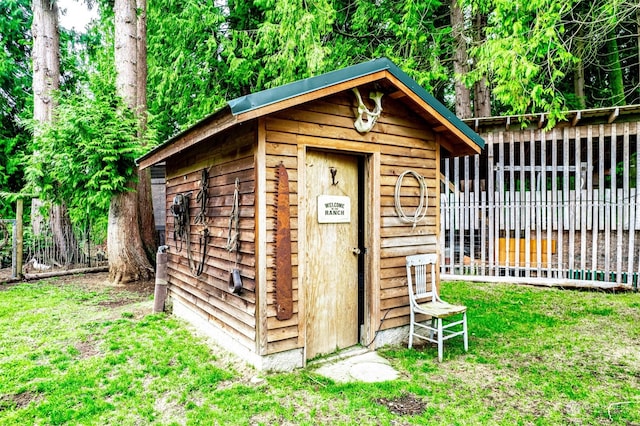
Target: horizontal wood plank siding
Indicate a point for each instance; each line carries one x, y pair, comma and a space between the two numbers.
400, 141
397, 238
227, 157
281, 148
404, 142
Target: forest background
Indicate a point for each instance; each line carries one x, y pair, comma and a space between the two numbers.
479, 57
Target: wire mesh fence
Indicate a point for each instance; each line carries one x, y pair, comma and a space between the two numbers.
69, 247
8, 248
46, 246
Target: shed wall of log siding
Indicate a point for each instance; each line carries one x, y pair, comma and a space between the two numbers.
228, 156
400, 141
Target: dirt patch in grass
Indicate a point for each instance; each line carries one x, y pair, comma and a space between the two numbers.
100, 280
119, 296
116, 303
405, 405
171, 410
90, 281
17, 401
87, 349
6, 282
5, 274
6, 286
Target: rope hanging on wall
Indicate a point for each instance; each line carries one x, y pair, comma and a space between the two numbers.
202, 197
421, 210
182, 227
197, 268
234, 219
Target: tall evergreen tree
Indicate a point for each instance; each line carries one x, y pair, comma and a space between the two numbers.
127, 258
187, 75
15, 98
460, 61
615, 71
145, 202
481, 88
46, 81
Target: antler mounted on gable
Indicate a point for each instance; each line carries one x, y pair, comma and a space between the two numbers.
366, 119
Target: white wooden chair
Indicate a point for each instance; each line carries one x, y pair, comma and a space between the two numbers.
424, 299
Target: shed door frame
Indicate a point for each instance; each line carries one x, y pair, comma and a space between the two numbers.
369, 168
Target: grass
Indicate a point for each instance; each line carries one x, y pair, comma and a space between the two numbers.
72, 354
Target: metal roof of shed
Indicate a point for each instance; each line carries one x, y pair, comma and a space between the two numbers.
461, 138
277, 94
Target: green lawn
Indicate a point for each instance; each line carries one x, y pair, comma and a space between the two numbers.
73, 354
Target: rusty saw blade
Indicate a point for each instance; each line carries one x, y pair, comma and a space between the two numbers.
284, 278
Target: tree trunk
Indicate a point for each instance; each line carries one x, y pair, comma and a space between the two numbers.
460, 62
638, 33
615, 71
481, 91
141, 64
482, 97
145, 203
46, 58
127, 259
126, 51
578, 74
46, 80
66, 245
145, 214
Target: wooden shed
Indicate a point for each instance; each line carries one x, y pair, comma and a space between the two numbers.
290, 212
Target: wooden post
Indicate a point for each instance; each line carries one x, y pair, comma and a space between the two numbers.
18, 236
468, 220
514, 217
610, 206
459, 216
491, 202
451, 215
526, 207
548, 200
160, 293
534, 192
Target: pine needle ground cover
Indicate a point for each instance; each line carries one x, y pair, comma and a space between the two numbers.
72, 353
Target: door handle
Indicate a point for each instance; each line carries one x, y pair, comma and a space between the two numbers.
356, 251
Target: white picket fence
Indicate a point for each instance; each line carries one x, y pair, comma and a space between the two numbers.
542, 209
539, 205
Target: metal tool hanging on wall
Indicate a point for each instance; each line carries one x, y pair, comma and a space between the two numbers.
198, 267
233, 241
333, 172
202, 197
180, 212
284, 276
